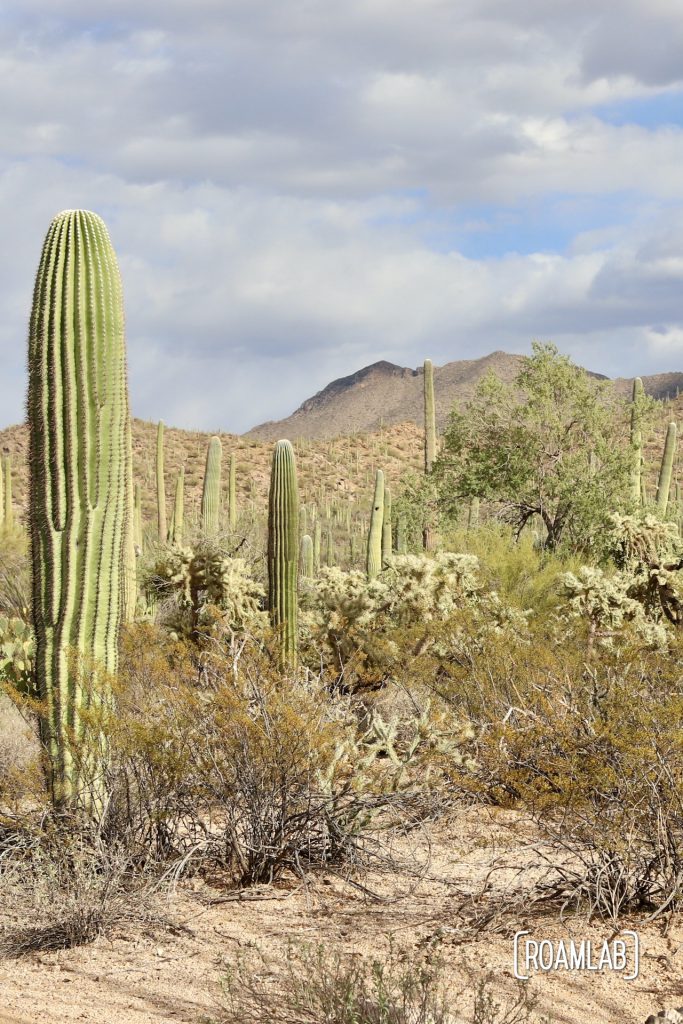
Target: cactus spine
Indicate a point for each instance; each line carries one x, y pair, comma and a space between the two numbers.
232, 492
386, 527
306, 557
636, 442
283, 550
374, 553
179, 507
78, 461
664, 482
212, 486
161, 487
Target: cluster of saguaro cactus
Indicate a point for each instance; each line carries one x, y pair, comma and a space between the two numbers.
79, 452
283, 550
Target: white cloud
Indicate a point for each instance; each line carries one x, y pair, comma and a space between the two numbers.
274, 177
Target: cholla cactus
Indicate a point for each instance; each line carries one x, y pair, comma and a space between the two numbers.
197, 579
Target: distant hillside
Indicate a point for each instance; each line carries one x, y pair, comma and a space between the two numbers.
384, 394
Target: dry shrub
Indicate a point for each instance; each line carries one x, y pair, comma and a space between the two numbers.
62, 884
591, 747
233, 764
315, 984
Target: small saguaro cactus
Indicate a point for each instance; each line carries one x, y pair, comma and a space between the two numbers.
232, 492
374, 554
401, 541
306, 557
8, 509
386, 527
636, 440
283, 550
161, 486
473, 514
179, 507
317, 542
211, 493
666, 468
78, 467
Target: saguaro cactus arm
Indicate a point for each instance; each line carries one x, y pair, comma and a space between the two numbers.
283, 549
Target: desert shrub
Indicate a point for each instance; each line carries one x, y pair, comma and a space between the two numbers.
591, 749
62, 884
15, 575
313, 984
252, 771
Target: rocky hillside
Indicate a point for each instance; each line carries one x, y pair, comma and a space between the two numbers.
384, 394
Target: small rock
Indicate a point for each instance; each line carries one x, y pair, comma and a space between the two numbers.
672, 1016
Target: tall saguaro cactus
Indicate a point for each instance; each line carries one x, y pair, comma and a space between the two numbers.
374, 555
211, 495
430, 443
430, 416
283, 549
161, 486
79, 474
636, 440
665, 470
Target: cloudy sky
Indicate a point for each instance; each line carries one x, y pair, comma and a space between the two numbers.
296, 188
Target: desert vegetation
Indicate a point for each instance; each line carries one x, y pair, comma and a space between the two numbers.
242, 664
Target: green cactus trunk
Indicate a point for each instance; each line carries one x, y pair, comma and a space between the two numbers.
329, 548
429, 443
161, 486
283, 550
386, 527
138, 517
306, 557
666, 468
473, 514
401, 542
430, 416
374, 554
636, 441
232, 492
78, 459
130, 574
211, 494
317, 541
179, 507
8, 509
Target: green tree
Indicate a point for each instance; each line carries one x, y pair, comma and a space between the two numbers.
549, 445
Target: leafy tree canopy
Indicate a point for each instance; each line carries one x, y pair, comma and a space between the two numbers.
550, 445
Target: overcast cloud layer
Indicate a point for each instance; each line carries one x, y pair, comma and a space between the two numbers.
296, 188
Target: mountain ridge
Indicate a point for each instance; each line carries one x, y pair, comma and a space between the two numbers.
385, 394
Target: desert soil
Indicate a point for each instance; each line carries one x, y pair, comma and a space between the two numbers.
452, 875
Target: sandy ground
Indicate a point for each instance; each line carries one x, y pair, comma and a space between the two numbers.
150, 975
